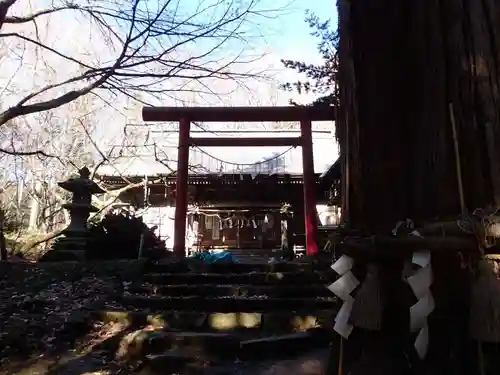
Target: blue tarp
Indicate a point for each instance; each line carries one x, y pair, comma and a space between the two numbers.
210, 257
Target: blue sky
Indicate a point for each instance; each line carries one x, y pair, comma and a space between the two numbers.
287, 37
291, 35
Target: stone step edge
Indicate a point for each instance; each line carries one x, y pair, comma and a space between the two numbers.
238, 267
228, 304
255, 278
200, 290
240, 274
225, 286
155, 298
282, 321
229, 348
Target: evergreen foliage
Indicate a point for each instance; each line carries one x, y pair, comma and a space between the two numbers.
319, 79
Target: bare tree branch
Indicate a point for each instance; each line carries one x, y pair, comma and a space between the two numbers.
22, 110
149, 57
147, 51
4, 8
32, 17
26, 153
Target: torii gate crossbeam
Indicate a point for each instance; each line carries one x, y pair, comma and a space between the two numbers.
186, 115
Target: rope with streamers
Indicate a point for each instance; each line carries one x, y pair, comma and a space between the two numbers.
343, 288
245, 164
229, 220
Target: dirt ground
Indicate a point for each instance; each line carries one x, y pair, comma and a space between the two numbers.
45, 310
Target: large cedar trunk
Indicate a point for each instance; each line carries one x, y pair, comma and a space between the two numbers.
411, 71
401, 65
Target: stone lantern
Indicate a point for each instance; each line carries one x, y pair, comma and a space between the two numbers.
73, 243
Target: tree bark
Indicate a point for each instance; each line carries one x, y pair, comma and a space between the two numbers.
402, 63
411, 73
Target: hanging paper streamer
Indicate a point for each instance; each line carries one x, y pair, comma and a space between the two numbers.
230, 223
342, 326
420, 283
343, 288
254, 224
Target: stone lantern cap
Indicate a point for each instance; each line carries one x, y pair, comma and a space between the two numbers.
81, 184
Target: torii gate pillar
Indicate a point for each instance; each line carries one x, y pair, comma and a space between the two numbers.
181, 188
309, 181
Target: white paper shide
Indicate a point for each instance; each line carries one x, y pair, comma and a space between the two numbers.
420, 283
343, 288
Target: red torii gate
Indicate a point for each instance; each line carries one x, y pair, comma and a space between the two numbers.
186, 115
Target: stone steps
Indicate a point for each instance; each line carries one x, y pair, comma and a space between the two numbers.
207, 314
229, 304
248, 324
162, 348
250, 278
232, 290
237, 268
220, 345
202, 349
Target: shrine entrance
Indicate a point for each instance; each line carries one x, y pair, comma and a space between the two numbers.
185, 115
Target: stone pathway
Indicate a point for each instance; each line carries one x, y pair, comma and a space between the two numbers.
188, 318
176, 317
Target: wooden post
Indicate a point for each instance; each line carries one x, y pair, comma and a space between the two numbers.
181, 187
311, 221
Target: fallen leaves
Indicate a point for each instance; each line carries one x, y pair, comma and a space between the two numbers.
42, 316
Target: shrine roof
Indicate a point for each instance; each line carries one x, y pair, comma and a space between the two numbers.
334, 171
